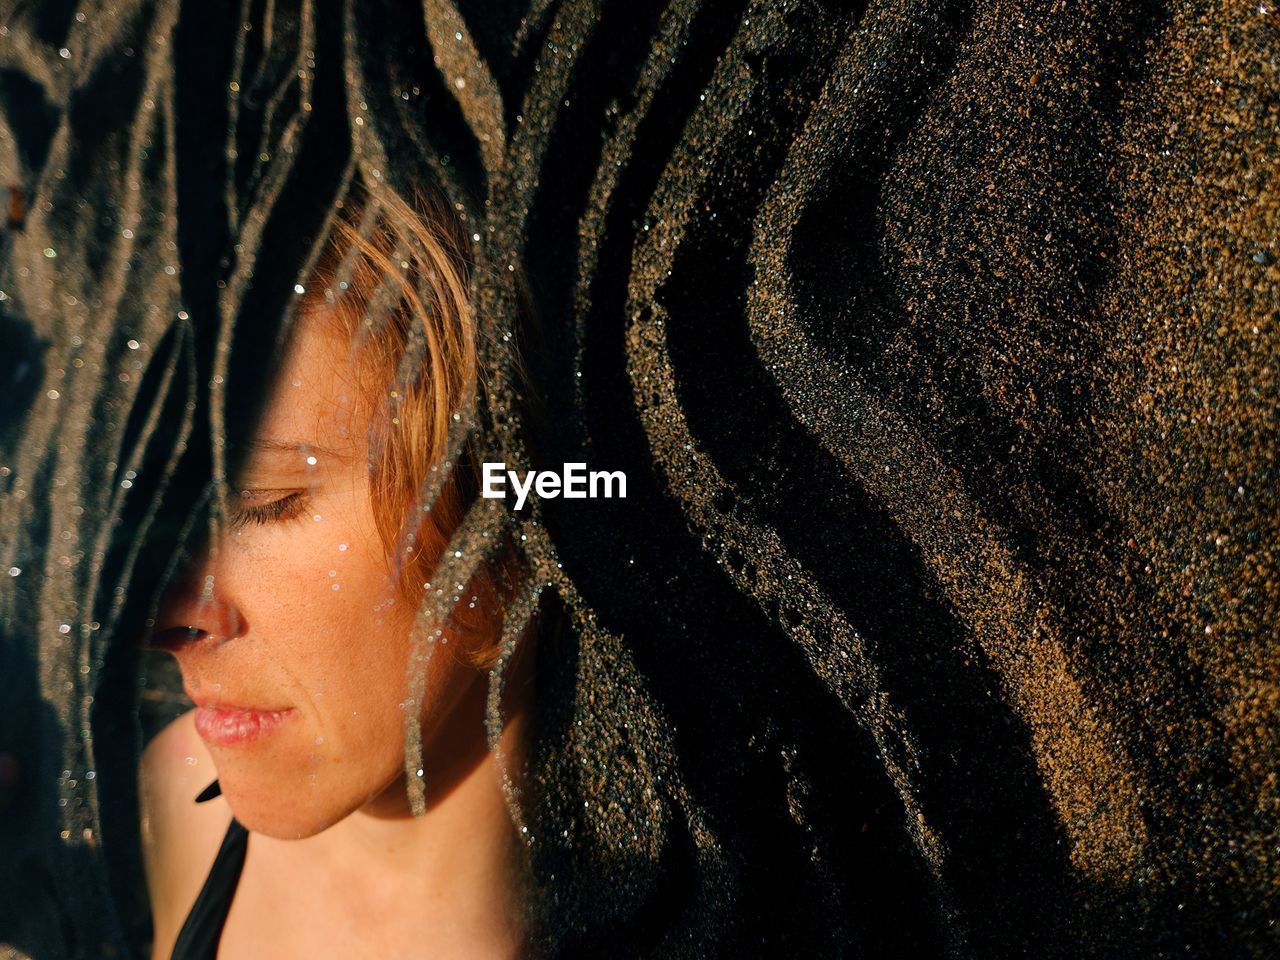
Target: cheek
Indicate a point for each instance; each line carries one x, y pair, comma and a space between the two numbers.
334, 636
327, 607
317, 578
356, 662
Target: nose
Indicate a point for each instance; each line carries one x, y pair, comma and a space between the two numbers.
195, 606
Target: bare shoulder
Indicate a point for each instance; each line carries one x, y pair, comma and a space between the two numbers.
180, 838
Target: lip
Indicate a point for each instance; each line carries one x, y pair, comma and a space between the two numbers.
228, 726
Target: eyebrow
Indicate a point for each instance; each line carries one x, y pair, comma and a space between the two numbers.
294, 447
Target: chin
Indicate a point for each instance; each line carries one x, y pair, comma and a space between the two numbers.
282, 810
277, 793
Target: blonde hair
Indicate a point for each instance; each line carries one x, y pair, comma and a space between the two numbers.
393, 275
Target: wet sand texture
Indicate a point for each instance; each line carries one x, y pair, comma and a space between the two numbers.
938, 343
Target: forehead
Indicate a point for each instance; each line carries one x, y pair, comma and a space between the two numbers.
317, 402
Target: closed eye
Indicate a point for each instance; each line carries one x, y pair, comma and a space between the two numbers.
284, 508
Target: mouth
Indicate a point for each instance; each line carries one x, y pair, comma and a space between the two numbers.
225, 725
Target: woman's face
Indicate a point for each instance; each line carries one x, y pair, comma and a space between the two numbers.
299, 668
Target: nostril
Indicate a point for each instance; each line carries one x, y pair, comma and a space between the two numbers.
173, 637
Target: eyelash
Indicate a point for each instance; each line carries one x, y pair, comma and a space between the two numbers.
286, 508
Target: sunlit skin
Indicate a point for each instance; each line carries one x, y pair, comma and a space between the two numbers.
297, 610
